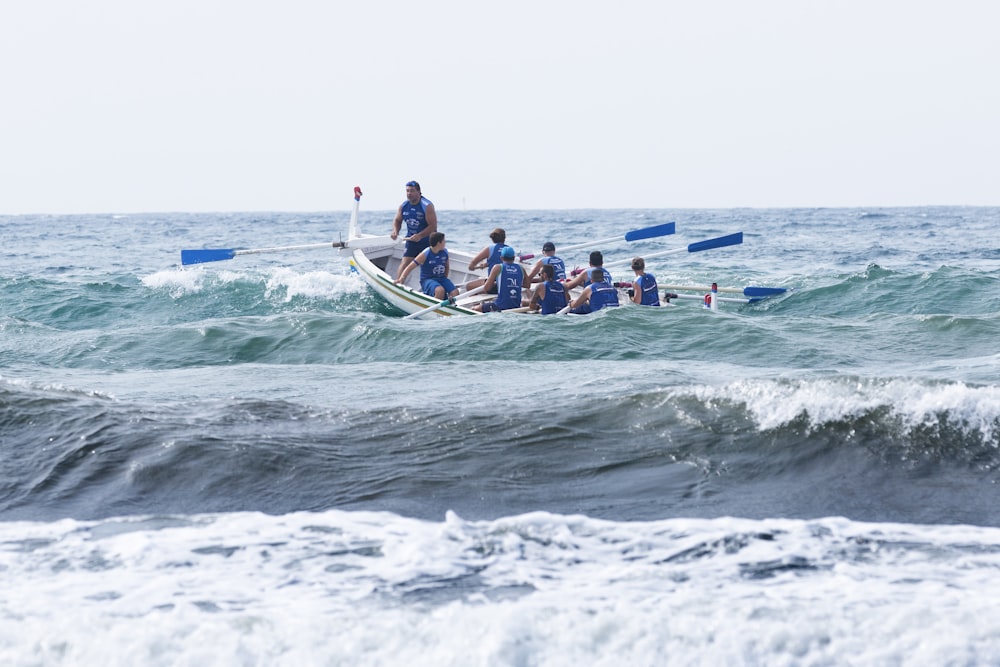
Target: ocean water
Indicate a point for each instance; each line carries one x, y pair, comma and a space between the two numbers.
259, 462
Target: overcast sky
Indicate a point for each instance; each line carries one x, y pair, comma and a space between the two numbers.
244, 105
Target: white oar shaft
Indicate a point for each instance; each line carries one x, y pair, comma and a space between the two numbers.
312, 246
367, 242
353, 243
695, 297
662, 253
442, 304
662, 229
702, 288
591, 244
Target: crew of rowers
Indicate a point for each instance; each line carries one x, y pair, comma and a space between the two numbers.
506, 279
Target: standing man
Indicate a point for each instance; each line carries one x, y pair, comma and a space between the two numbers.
421, 221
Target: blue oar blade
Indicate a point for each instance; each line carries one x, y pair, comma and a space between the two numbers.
721, 242
206, 255
763, 291
651, 232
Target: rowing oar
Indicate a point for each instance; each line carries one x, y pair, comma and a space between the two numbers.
708, 244
721, 299
663, 229
450, 301
219, 254
753, 292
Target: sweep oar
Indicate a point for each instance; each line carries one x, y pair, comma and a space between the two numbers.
663, 229
450, 301
202, 255
758, 292
708, 244
721, 299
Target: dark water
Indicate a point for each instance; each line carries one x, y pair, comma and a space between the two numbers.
132, 387
279, 383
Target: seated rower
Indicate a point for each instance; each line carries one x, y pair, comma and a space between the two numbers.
550, 294
434, 268
508, 278
549, 252
587, 276
644, 290
598, 294
487, 258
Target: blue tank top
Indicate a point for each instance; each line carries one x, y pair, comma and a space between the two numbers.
650, 295
607, 276
435, 265
494, 258
414, 217
509, 286
602, 295
558, 265
555, 297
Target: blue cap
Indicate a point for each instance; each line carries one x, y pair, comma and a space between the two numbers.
507, 253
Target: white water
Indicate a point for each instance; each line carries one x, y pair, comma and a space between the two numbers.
373, 588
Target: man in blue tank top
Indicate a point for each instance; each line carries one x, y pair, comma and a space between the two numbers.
644, 290
550, 293
598, 294
509, 279
421, 221
434, 267
487, 258
549, 252
586, 277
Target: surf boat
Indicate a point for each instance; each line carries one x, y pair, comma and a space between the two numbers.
376, 259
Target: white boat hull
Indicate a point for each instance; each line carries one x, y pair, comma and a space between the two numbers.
379, 266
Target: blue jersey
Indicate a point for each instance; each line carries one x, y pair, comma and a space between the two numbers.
414, 216
607, 276
558, 266
555, 297
602, 295
650, 294
509, 286
493, 258
435, 265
